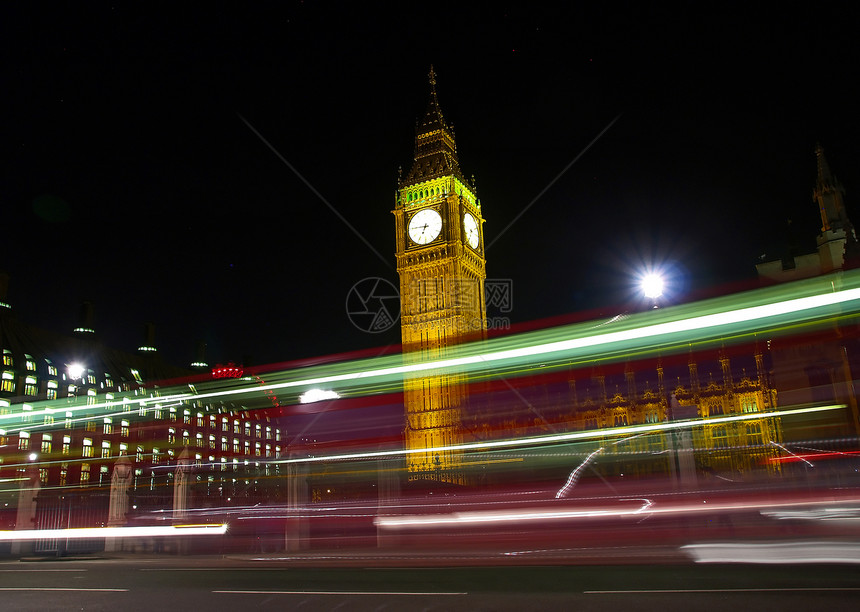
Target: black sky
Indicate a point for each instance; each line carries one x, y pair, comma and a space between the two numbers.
130, 178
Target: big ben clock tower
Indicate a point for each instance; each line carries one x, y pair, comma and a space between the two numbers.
440, 260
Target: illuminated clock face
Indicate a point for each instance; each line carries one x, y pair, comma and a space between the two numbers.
424, 226
471, 227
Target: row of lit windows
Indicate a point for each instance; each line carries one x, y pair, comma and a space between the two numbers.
424, 193
88, 449
749, 404
104, 471
225, 423
109, 428
30, 365
29, 362
31, 386
201, 442
108, 425
721, 439
420, 194
87, 377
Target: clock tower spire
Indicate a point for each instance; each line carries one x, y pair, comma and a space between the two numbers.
440, 261
435, 147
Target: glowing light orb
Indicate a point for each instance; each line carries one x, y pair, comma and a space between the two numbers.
75, 370
652, 285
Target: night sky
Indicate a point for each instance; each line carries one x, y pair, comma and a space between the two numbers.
131, 178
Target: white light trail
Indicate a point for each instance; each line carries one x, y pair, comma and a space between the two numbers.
111, 532
568, 437
317, 395
781, 447
501, 516
775, 552
574, 475
648, 507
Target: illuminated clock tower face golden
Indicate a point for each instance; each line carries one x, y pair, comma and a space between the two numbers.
424, 226
471, 227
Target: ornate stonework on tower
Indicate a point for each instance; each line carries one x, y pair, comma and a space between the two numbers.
837, 246
829, 194
440, 260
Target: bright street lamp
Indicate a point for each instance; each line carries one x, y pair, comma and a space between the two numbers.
75, 370
652, 285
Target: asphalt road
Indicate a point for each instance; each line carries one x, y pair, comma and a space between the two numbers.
219, 583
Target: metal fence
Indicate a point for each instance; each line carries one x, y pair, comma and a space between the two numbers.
69, 511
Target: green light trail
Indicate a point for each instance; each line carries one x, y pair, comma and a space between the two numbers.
803, 306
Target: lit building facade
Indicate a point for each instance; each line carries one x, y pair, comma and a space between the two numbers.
440, 261
605, 402
71, 408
